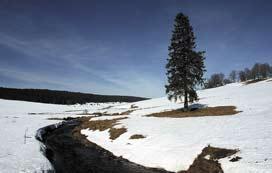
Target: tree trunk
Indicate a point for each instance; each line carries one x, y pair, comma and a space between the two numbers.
186, 108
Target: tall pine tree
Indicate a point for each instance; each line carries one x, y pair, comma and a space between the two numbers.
185, 66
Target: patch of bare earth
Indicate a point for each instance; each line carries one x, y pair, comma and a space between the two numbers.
208, 111
116, 132
125, 112
98, 114
254, 81
133, 106
137, 136
101, 125
207, 160
61, 119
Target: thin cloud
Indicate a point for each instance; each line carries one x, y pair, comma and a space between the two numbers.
73, 53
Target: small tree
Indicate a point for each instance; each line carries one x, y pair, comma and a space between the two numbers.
248, 74
242, 76
185, 66
255, 71
216, 80
226, 81
264, 70
270, 71
233, 76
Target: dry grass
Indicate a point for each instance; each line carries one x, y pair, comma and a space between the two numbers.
137, 136
122, 113
203, 165
116, 132
98, 114
253, 81
126, 112
61, 119
208, 111
133, 106
101, 125
217, 153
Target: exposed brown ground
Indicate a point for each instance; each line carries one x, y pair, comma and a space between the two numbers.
208, 111
61, 119
137, 136
116, 132
85, 114
101, 125
126, 112
133, 106
56, 118
253, 81
211, 165
107, 114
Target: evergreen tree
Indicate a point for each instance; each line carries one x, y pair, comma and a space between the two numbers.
185, 66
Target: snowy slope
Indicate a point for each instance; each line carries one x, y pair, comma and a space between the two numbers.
173, 143
170, 143
19, 154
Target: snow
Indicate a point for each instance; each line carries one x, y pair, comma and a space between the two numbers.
20, 154
173, 143
170, 143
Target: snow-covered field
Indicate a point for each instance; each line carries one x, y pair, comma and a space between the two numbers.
170, 143
173, 143
22, 154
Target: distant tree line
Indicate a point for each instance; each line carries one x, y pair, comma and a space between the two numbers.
61, 97
259, 71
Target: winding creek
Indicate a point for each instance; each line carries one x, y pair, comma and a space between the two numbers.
71, 153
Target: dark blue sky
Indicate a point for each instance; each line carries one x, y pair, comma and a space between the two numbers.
120, 47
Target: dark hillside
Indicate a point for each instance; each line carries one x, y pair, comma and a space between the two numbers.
61, 97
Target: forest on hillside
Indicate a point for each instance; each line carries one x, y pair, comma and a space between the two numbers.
61, 97
259, 71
